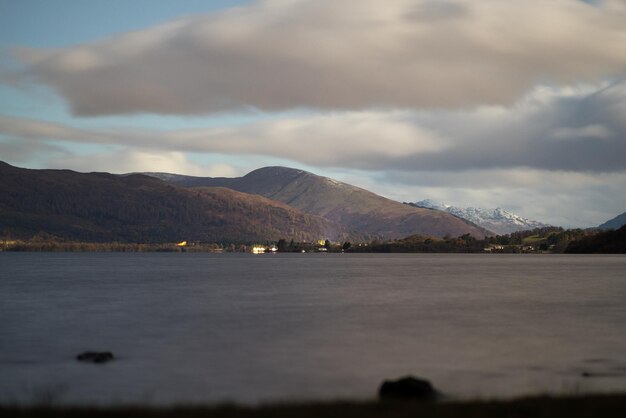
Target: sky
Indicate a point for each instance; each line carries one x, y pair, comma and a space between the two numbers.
484, 103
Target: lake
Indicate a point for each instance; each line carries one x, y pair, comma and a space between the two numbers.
206, 328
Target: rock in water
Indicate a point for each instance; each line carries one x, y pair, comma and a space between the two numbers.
95, 356
408, 388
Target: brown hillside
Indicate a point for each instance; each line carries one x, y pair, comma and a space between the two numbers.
137, 208
355, 208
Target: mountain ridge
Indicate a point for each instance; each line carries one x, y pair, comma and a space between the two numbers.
498, 220
356, 208
614, 223
139, 208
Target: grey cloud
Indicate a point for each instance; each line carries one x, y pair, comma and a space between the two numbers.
556, 197
337, 54
20, 151
131, 159
528, 134
37, 130
360, 138
437, 9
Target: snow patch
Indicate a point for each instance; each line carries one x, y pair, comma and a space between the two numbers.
498, 220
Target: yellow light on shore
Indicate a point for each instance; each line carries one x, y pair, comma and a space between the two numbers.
182, 244
258, 249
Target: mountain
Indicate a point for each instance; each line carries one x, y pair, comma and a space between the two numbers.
103, 207
355, 208
497, 220
615, 223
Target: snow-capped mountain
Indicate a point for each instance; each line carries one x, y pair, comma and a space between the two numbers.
497, 220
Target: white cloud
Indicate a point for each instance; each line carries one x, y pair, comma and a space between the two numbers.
365, 138
531, 133
129, 160
589, 131
340, 54
557, 197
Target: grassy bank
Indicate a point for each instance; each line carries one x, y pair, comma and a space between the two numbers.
572, 407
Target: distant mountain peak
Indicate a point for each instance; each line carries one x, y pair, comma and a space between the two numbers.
498, 220
615, 223
360, 211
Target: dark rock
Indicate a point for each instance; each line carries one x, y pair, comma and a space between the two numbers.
409, 388
95, 356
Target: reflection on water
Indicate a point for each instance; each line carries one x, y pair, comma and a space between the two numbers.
208, 327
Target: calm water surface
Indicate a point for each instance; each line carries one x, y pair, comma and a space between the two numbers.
208, 328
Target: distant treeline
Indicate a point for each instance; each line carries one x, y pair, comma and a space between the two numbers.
62, 246
53, 244
540, 240
606, 242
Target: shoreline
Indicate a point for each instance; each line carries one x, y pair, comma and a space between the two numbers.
584, 405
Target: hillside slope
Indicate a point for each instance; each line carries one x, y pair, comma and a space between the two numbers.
137, 208
355, 208
615, 223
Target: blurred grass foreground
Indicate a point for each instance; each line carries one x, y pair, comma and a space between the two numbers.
610, 405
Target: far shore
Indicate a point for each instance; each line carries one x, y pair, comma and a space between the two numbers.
573, 406
549, 240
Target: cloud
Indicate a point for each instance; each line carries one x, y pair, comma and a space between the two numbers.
336, 54
130, 160
357, 138
559, 198
548, 129
589, 131
24, 152
531, 134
